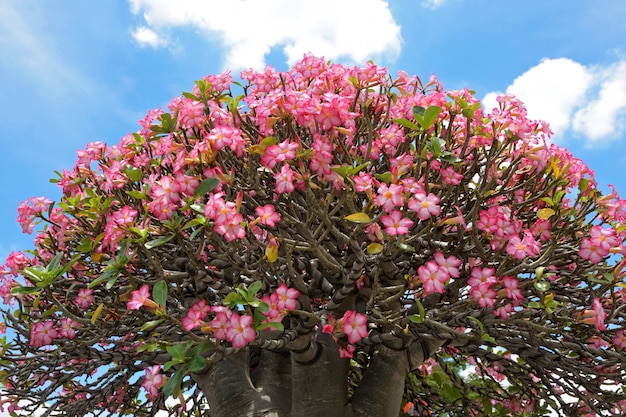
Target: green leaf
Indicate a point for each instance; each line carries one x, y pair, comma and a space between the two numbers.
374, 248
177, 351
405, 247
358, 218
134, 174
406, 123
233, 298
24, 290
253, 289
172, 386
158, 242
430, 116
384, 177
159, 293
542, 286
418, 111
151, 325
205, 186
535, 304
108, 273
196, 364
137, 194
271, 325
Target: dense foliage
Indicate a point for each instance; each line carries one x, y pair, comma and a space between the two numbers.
332, 241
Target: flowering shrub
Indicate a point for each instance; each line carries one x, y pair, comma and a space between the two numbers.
316, 239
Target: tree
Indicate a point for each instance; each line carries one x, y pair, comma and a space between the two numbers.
330, 242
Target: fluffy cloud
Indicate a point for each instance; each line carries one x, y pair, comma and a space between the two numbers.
356, 30
588, 101
147, 37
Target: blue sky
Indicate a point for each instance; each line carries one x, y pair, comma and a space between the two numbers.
72, 71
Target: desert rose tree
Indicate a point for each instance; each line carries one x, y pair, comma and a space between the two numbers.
326, 241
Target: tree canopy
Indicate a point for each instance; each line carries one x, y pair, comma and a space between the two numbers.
325, 241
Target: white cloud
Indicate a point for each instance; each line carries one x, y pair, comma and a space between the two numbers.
433, 4
356, 30
147, 37
604, 115
588, 101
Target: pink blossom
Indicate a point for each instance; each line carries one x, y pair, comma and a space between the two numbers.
275, 154
138, 298
354, 325
619, 339
425, 205
592, 250
153, 381
68, 328
599, 314
284, 180
433, 277
450, 264
523, 248
346, 351
267, 215
239, 332
125, 215
450, 176
220, 324
42, 333
485, 296
233, 229
481, 276
191, 320
395, 224
389, 197
286, 297
511, 287
84, 299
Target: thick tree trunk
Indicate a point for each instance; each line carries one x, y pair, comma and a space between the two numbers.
310, 382
230, 391
320, 388
379, 393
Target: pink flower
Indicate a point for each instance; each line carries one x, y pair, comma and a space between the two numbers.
284, 180
450, 176
281, 152
191, 320
523, 248
84, 299
425, 205
286, 297
395, 224
354, 325
42, 333
239, 332
125, 215
138, 298
220, 324
389, 197
450, 264
481, 276
433, 277
511, 287
592, 251
68, 328
485, 296
233, 229
346, 351
599, 314
267, 215
153, 381
619, 339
